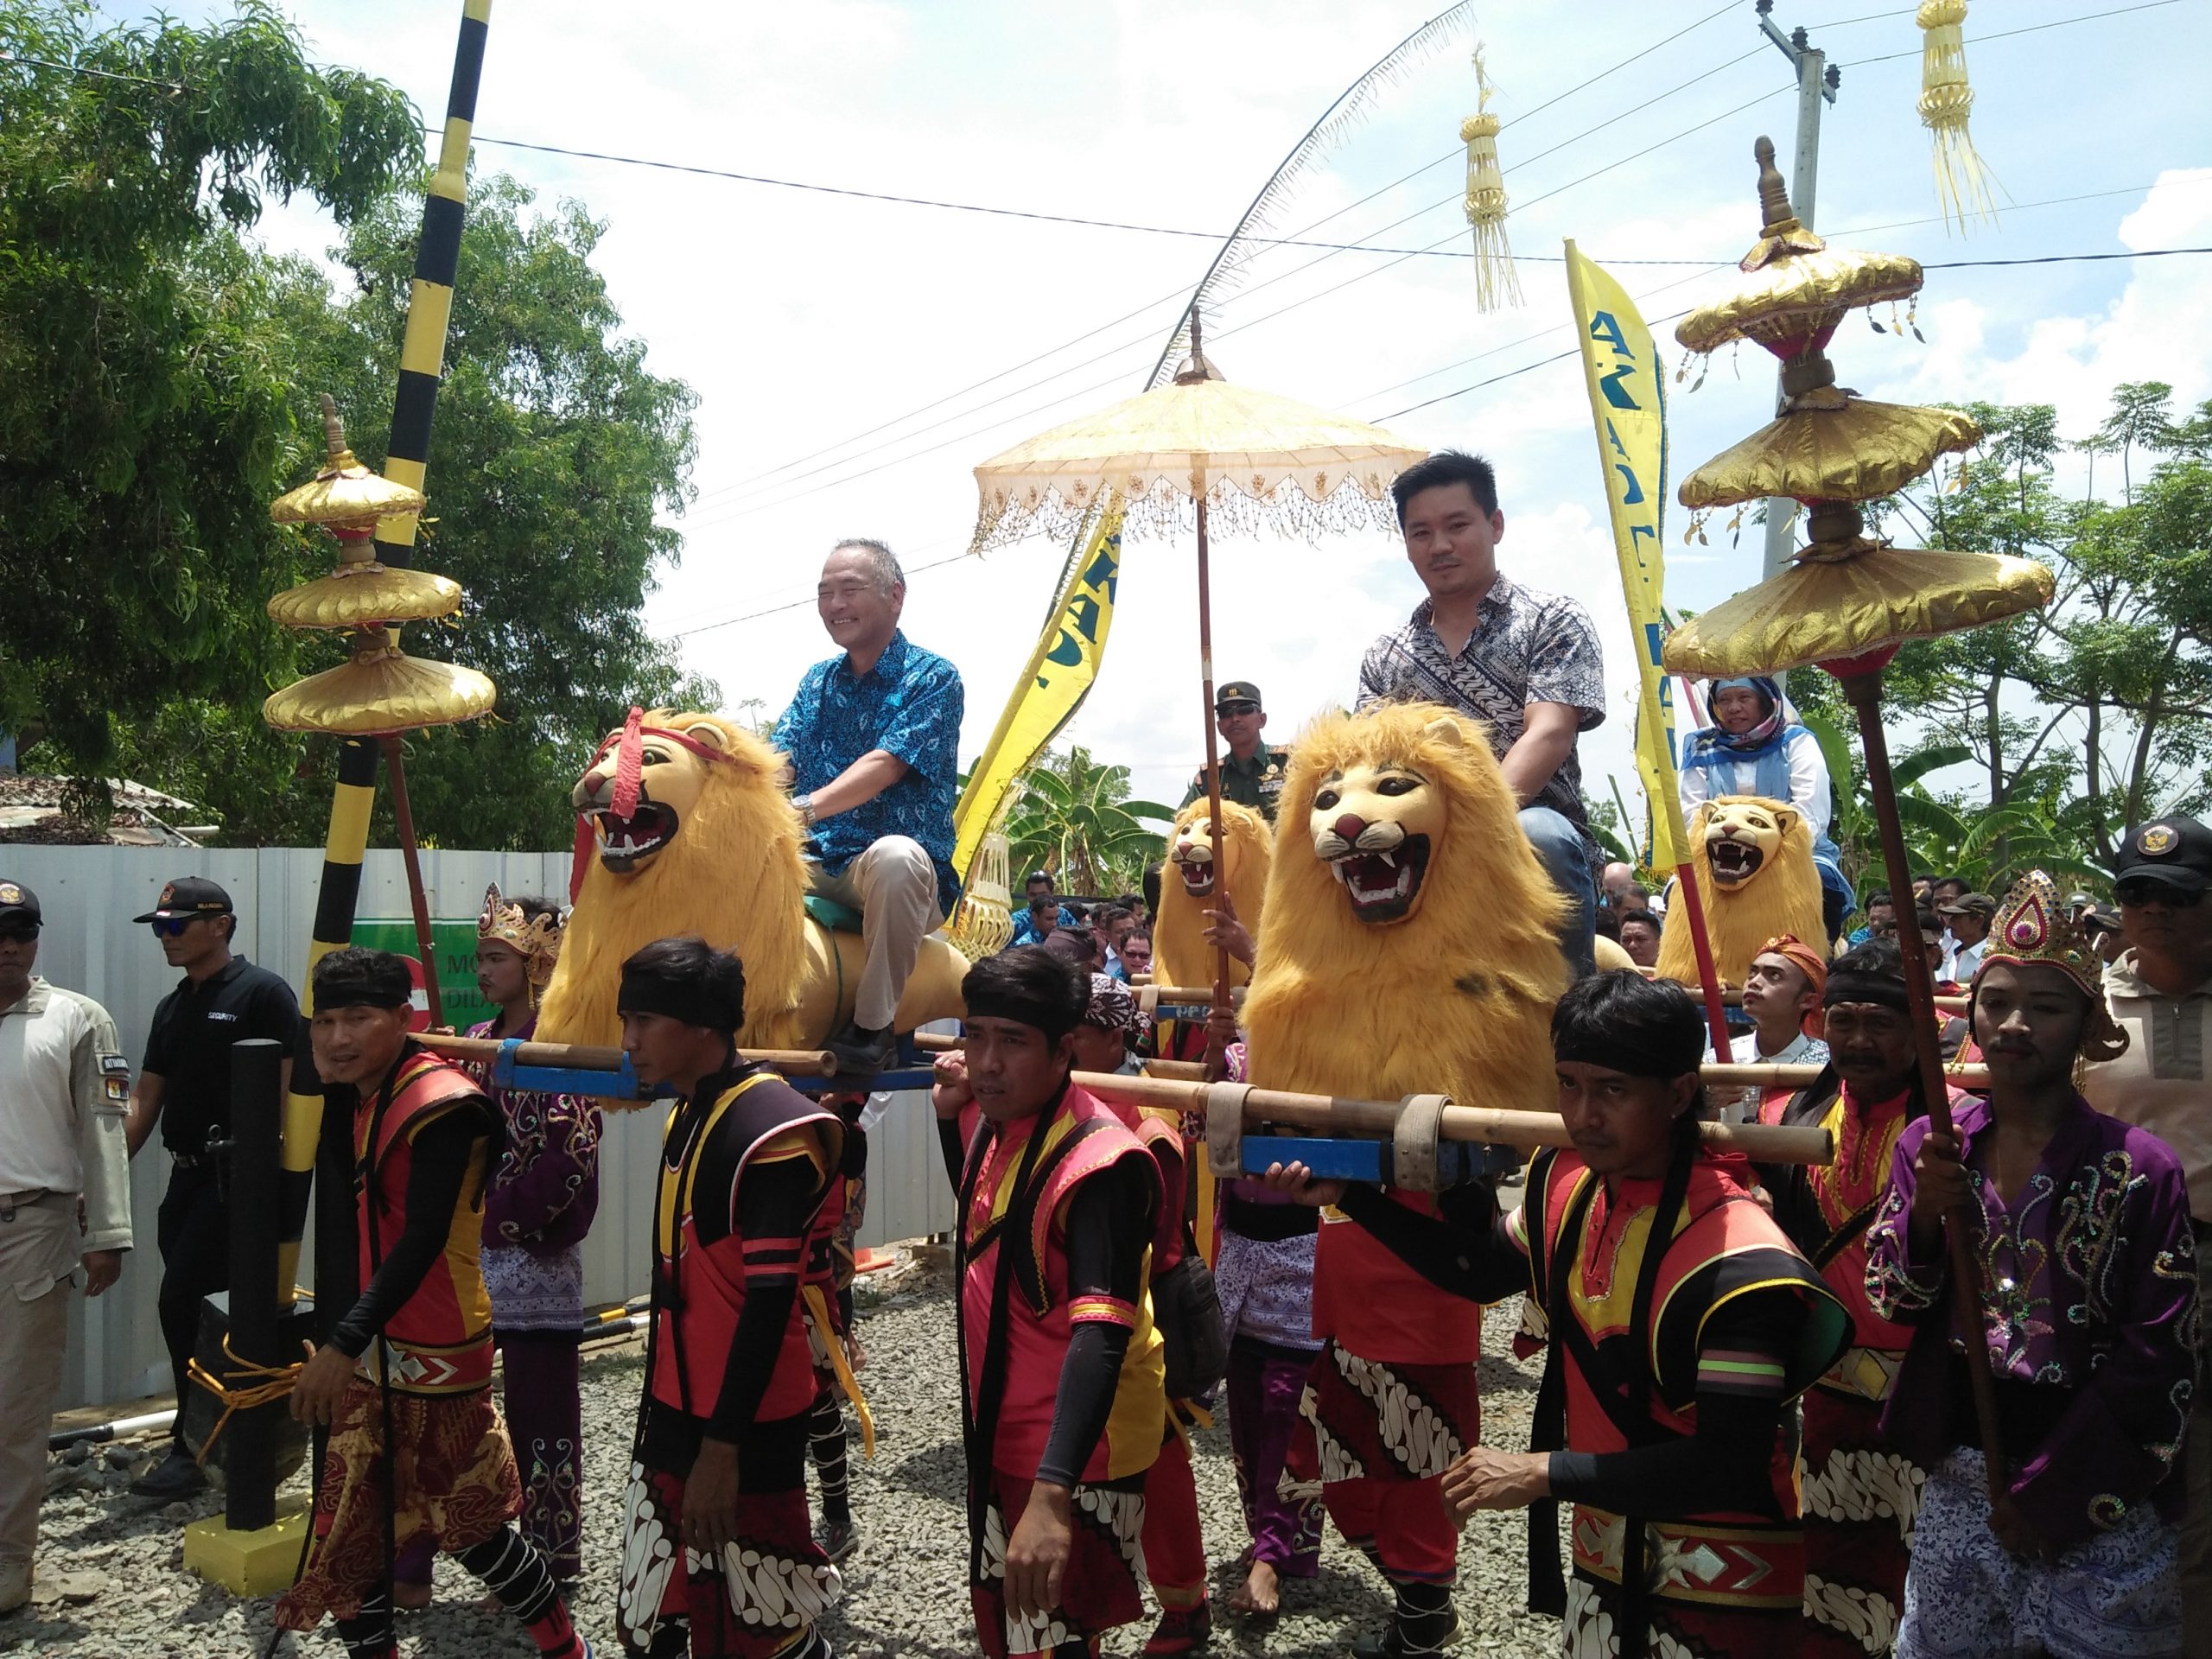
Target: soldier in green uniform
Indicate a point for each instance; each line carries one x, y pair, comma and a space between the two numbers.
1251, 772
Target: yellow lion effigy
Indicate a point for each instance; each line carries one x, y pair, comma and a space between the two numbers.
1753, 860
1201, 867
710, 846
1411, 944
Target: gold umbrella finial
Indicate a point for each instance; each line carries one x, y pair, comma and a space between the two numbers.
1774, 194
333, 434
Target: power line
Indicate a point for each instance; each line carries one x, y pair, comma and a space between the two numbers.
2031, 28
797, 604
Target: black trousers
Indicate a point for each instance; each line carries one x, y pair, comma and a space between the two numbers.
193, 1229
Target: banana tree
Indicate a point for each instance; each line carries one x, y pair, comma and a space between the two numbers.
1077, 819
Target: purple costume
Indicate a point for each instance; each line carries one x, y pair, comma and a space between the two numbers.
1263, 1272
2090, 1312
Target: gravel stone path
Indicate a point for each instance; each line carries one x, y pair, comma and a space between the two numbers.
906, 1595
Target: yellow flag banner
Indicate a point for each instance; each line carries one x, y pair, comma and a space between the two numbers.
1058, 676
1627, 401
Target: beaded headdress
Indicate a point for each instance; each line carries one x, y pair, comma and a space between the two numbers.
535, 939
2032, 929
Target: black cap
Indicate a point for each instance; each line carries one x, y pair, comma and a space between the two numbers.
186, 897
2177, 851
1970, 904
18, 905
1236, 691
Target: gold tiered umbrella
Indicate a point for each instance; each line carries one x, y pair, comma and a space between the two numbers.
379, 691
1188, 452
1849, 600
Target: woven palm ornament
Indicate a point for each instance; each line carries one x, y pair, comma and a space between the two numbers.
1498, 284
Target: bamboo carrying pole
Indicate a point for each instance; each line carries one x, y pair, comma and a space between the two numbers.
1864, 690
1336, 1113
792, 1062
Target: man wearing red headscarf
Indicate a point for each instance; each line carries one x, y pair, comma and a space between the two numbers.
1782, 995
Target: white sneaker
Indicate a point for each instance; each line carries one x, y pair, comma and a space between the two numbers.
15, 1585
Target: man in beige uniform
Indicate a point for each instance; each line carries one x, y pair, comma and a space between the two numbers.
2160, 991
65, 1202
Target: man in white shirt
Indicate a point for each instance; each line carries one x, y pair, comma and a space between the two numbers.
1782, 995
1969, 916
65, 1203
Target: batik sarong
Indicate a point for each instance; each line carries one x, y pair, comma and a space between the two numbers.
1101, 1587
1860, 1499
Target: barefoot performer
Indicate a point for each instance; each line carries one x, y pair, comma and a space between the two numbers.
1685, 1529
1062, 1374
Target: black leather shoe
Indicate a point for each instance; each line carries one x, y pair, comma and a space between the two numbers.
863, 1053
174, 1477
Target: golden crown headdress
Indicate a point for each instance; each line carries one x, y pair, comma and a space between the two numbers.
2032, 929
537, 938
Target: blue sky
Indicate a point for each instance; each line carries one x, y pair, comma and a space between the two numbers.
803, 320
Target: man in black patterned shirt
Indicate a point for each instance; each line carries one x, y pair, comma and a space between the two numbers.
1525, 663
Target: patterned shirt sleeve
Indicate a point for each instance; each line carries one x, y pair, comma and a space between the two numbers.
1564, 663
925, 733
1898, 1287
1374, 676
2121, 1437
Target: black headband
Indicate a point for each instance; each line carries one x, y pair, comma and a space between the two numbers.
1636, 1053
1050, 1016
679, 997
1848, 985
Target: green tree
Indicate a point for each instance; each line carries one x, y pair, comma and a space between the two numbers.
2138, 418
146, 416
1075, 818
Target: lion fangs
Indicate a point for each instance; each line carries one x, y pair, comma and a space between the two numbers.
1389, 858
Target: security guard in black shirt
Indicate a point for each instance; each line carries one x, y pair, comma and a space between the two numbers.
1251, 772
184, 1087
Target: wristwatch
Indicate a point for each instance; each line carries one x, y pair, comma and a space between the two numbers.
806, 805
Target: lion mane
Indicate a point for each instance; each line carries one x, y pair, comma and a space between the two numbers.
1782, 897
1180, 955
1457, 997
733, 875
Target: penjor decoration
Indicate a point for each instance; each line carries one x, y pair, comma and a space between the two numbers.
1849, 600
1946, 101
1498, 284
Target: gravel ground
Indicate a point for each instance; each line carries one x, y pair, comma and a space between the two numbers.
904, 1589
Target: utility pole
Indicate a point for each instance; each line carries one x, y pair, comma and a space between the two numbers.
1816, 82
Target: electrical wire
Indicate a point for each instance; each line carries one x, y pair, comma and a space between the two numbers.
2031, 29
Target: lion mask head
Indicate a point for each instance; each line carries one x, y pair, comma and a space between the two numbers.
1200, 865
1753, 860
711, 847
1411, 938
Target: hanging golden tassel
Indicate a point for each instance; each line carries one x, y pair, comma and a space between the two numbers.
1946, 101
1496, 284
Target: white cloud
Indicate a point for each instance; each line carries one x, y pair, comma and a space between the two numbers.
803, 319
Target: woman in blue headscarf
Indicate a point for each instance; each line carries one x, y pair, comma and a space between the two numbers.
1757, 746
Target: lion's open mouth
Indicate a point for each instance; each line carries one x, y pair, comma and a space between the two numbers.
1734, 862
1198, 876
1384, 886
624, 843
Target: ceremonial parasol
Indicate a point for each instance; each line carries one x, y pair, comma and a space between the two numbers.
379, 691
1849, 600
1194, 449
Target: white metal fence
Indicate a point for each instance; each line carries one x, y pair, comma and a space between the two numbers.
90, 944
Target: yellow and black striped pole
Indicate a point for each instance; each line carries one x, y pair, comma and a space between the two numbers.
422, 361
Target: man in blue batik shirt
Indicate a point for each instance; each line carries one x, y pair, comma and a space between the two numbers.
872, 737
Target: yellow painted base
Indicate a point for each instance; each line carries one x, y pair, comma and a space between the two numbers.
259, 1563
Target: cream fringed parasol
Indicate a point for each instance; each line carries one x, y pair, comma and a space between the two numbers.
1257, 461
1181, 455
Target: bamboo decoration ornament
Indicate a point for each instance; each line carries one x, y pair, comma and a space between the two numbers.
1946, 101
1498, 284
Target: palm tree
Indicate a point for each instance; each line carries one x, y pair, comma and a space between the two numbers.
1075, 818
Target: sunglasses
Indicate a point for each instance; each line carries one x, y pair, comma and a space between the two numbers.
18, 935
171, 927
2136, 895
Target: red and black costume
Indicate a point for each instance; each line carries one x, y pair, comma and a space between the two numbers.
1390, 1401
827, 1297
746, 1163
1062, 1370
1861, 1493
1672, 1350
423, 1142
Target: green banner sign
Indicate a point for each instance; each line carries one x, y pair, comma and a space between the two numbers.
456, 949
